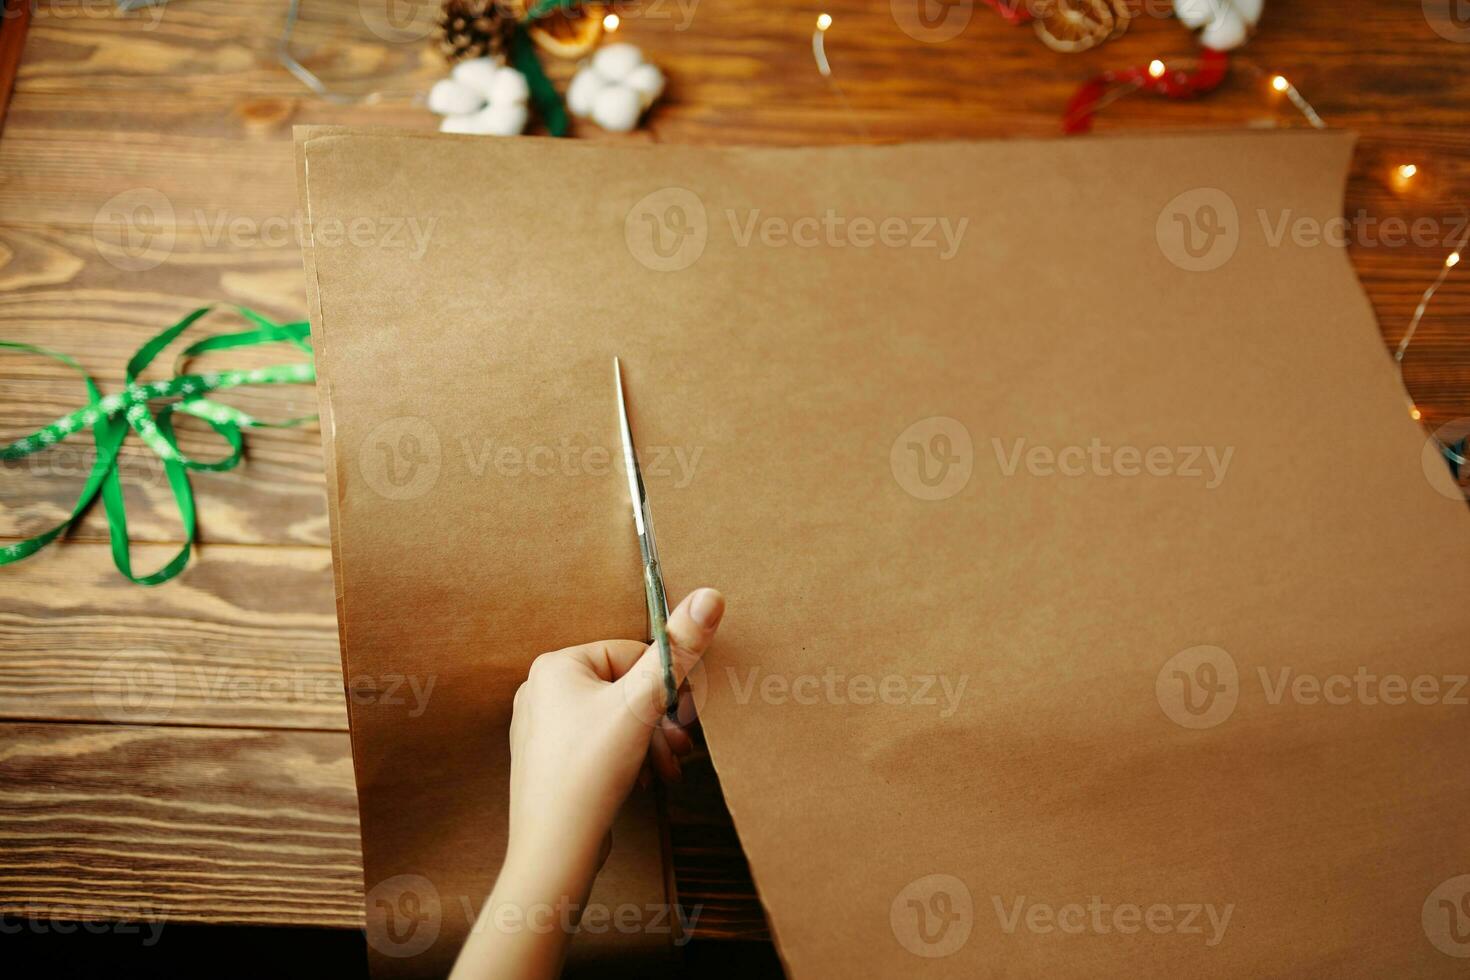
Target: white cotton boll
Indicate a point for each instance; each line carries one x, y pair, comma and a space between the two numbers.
508, 86
614, 88
1226, 32
459, 124
616, 109
1197, 13
477, 74
449, 98
1250, 10
614, 61
647, 81
583, 90
502, 118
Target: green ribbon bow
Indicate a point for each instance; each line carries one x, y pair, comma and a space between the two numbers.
523, 58
111, 417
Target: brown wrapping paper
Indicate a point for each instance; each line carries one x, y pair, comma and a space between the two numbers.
434, 647
1084, 566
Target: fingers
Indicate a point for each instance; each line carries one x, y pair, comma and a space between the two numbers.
670, 744
678, 738
608, 659
692, 626
688, 711
665, 763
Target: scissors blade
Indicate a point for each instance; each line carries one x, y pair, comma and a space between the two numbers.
653, 579
637, 493
630, 459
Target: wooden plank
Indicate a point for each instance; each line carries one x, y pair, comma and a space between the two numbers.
188, 100
710, 869
244, 637
751, 57
183, 824
223, 163
277, 494
742, 72
64, 293
58, 291
205, 45
12, 41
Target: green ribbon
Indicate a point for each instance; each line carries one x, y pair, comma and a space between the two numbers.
111, 418
523, 58
545, 8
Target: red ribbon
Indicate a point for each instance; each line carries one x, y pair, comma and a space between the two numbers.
1012, 11
1172, 84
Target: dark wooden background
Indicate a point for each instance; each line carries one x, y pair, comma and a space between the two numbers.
182, 750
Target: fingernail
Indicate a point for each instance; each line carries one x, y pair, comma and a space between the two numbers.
707, 607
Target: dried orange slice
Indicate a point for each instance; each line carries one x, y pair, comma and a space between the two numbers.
1122, 17
569, 33
1073, 25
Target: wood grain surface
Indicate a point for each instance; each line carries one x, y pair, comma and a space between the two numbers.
181, 749
247, 640
185, 824
17, 21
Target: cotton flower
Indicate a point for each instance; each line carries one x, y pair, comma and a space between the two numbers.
1227, 23
482, 97
615, 88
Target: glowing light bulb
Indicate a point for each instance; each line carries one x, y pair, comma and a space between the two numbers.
1407, 170
610, 22
1415, 414
1156, 69
824, 21
1452, 260
1279, 83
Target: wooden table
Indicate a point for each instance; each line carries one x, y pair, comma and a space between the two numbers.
182, 750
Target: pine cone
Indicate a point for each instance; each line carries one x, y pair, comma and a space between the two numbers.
474, 29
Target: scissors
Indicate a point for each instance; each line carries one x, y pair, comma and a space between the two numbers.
653, 576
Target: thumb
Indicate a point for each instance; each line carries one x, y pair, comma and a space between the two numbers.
692, 627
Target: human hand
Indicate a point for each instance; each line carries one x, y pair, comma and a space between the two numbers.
587, 721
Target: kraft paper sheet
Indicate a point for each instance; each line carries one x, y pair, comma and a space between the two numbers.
1075, 533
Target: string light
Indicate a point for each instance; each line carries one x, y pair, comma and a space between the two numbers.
1401, 177
1403, 172
305, 75
610, 22
819, 46
824, 68
1176, 82
1280, 84
1450, 261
